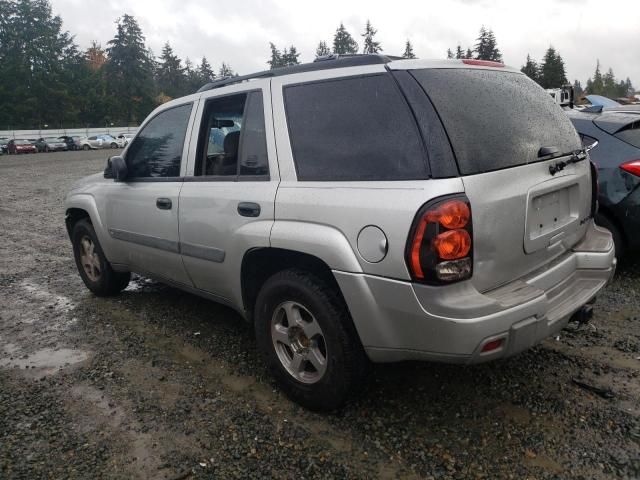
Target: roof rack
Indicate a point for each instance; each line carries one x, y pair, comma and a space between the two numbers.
325, 62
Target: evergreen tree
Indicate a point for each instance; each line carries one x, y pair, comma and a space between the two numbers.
459, 52
449, 54
170, 73
290, 57
37, 61
322, 50
552, 72
129, 72
226, 71
469, 53
205, 72
597, 84
487, 46
610, 87
408, 50
343, 42
276, 57
191, 77
577, 89
370, 45
531, 69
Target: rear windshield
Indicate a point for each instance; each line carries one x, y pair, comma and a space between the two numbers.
496, 119
631, 134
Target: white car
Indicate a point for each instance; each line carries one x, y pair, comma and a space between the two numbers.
125, 138
99, 141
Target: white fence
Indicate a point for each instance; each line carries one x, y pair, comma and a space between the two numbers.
82, 132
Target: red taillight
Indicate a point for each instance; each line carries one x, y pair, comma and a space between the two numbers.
633, 167
439, 249
482, 63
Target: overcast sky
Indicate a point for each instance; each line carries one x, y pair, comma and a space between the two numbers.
238, 32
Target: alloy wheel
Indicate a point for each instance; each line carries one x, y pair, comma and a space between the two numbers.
299, 342
89, 259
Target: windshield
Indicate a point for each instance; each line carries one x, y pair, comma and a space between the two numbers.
22, 142
496, 119
52, 140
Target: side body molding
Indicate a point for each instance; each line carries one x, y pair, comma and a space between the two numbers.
322, 241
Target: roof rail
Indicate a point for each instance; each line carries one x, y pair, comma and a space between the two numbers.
325, 62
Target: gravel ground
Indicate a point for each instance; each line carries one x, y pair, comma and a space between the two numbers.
157, 383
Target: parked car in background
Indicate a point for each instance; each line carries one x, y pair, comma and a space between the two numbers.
464, 236
50, 144
615, 138
21, 146
70, 141
126, 137
99, 141
4, 145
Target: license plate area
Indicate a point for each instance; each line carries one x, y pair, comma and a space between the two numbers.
552, 212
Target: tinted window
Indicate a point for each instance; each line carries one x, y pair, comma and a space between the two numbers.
232, 139
496, 119
353, 129
157, 151
630, 134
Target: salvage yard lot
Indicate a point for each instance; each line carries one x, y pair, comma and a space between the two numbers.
158, 383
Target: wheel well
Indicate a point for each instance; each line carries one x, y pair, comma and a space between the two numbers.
260, 264
73, 216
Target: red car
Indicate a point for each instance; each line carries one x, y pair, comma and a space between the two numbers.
21, 146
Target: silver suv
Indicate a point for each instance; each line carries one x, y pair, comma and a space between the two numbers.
354, 209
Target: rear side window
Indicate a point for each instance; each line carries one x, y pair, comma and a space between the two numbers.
353, 129
630, 134
157, 150
496, 119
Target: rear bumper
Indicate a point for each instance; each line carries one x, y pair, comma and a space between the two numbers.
398, 320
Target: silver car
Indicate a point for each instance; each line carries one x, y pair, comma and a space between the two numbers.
357, 209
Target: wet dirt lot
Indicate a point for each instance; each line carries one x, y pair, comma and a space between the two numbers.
157, 383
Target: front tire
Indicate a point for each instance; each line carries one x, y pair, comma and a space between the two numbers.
306, 336
114, 145
94, 268
85, 147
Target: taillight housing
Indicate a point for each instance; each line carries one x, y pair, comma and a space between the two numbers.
440, 245
632, 167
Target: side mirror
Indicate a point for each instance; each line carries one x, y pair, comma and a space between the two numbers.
116, 168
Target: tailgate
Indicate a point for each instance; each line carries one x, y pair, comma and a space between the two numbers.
503, 130
523, 218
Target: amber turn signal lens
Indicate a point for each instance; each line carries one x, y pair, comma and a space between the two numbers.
452, 214
452, 244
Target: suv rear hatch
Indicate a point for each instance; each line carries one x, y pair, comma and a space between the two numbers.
506, 132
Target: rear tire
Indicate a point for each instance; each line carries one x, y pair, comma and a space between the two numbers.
307, 339
618, 239
94, 268
114, 145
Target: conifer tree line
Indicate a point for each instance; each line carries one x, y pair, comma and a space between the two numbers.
47, 79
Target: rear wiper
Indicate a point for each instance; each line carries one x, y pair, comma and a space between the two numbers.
548, 153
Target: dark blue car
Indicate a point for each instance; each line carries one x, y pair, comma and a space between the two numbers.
617, 157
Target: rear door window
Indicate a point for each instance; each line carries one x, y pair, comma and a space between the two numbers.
357, 128
630, 134
496, 119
